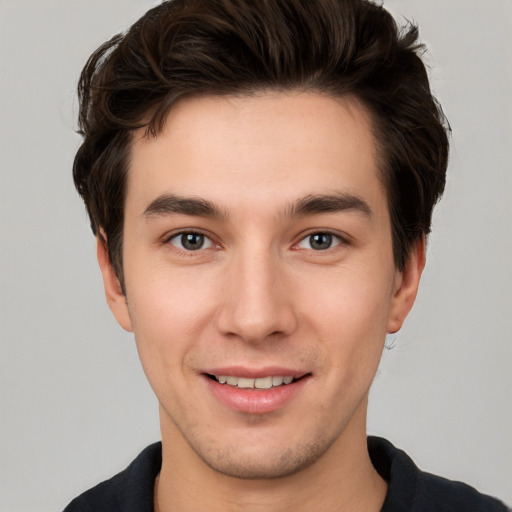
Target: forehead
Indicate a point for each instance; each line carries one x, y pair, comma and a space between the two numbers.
260, 149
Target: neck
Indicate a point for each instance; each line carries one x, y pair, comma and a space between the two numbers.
343, 479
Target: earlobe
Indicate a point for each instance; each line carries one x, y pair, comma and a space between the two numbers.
406, 287
116, 299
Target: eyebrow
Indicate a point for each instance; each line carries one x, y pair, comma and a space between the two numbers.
168, 204
328, 203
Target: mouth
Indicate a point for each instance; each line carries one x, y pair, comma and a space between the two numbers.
261, 383
256, 391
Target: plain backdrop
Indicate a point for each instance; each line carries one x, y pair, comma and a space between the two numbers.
74, 403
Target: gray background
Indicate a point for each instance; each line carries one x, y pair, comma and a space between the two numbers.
74, 404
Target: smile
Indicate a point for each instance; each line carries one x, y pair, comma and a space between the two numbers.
248, 383
256, 391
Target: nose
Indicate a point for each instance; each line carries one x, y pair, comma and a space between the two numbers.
257, 302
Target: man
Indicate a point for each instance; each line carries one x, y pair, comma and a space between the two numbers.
260, 177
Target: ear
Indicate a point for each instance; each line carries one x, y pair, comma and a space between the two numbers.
116, 299
406, 286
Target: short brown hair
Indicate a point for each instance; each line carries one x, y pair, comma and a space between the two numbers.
219, 47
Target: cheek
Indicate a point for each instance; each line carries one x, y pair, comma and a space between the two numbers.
349, 300
169, 311
349, 319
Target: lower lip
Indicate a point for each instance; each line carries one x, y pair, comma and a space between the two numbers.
255, 401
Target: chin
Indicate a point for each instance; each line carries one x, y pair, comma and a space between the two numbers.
254, 463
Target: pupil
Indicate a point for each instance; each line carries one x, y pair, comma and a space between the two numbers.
192, 241
320, 241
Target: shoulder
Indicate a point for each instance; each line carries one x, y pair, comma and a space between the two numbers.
442, 495
413, 490
132, 489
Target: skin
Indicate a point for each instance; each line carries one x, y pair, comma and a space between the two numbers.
261, 294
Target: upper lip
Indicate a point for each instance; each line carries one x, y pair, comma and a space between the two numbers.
256, 373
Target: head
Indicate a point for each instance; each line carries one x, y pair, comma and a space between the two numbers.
186, 48
260, 177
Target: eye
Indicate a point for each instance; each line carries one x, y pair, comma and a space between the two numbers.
319, 241
191, 241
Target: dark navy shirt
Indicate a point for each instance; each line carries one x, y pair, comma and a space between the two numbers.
410, 490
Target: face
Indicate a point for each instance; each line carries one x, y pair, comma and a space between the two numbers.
260, 281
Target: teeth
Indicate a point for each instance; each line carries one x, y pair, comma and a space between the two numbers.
245, 383
264, 383
277, 381
261, 383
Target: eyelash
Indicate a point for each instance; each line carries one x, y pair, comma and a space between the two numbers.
180, 236
333, 238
